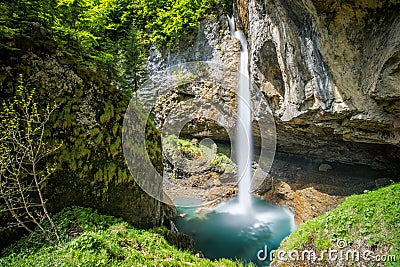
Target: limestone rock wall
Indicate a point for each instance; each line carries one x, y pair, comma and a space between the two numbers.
330, 70
212, 43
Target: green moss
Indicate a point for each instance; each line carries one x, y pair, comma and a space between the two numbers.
63, 156
108, 113
98, 177
121, 176
110, 170
224, 162
116, 147
79, 92
99, 138
153, 145
72, 165
94, 131
84, 152
76, 131
75, 108
115, 129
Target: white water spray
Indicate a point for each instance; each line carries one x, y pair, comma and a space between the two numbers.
244, 139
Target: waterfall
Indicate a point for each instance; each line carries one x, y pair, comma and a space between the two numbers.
244, 140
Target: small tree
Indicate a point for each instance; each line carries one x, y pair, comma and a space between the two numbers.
23, 172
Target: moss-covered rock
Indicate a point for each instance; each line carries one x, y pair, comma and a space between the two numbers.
88, 122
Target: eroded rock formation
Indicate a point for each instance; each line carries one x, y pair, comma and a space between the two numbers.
329, 70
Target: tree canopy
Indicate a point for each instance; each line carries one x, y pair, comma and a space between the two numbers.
112, 34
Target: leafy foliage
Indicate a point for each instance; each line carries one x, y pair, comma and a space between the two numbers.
86, 27
110, 34
173, 19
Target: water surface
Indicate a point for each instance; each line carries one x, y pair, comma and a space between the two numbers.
228, 232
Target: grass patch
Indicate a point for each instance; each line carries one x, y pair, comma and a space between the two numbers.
372, 218
91, 239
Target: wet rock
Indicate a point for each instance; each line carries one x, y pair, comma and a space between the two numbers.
176, 238
308, 192
324, 167
199, 254
305, 203
194, 142
381, 182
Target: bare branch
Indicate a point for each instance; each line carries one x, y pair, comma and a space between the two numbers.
22, 148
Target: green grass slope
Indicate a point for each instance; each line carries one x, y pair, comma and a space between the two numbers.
90, 239
367, 224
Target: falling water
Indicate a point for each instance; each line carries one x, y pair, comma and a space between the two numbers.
242, 226
244, 140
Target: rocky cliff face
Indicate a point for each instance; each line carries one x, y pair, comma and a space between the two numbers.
91, 169
329, 70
